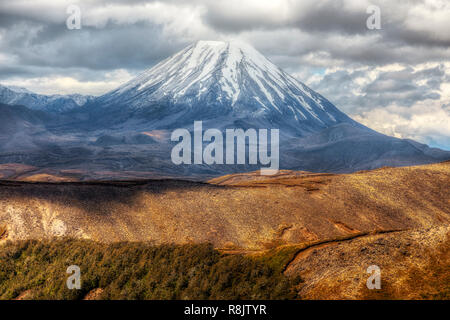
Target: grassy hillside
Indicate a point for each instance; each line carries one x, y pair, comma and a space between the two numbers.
414, 264
242, 211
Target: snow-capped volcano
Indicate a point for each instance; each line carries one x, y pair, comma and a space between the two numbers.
223, 84
214, 78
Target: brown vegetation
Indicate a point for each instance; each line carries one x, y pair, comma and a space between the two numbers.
246, 211
414, 264
269, 232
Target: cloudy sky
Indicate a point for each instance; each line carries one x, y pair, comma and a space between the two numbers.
395, 79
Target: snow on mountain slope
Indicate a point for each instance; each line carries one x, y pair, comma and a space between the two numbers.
13, 95
224, 84
227, 78
19, 89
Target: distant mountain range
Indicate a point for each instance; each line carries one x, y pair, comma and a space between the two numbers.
224, 84
13, 95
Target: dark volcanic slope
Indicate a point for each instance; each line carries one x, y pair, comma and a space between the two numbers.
238, 211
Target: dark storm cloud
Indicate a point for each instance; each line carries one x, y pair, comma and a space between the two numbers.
401, 87
42, 41
327, 16
94, 48
336, 29
404, 37
7, 20
328, 33
11, 71
332, 16
414, 37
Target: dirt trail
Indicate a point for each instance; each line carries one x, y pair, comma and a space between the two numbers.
306, 251
3, 232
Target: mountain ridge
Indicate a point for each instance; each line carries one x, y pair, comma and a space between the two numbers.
13, 95
233, 211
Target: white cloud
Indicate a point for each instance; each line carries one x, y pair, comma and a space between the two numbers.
430, 17
397, 100
425, 122
67, 85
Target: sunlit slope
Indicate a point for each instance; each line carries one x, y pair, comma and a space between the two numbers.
239, 211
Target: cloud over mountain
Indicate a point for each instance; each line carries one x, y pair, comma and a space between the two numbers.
315, 41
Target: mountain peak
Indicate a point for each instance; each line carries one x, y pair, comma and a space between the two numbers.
231, 46
226, 77
211, 43
18, 89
